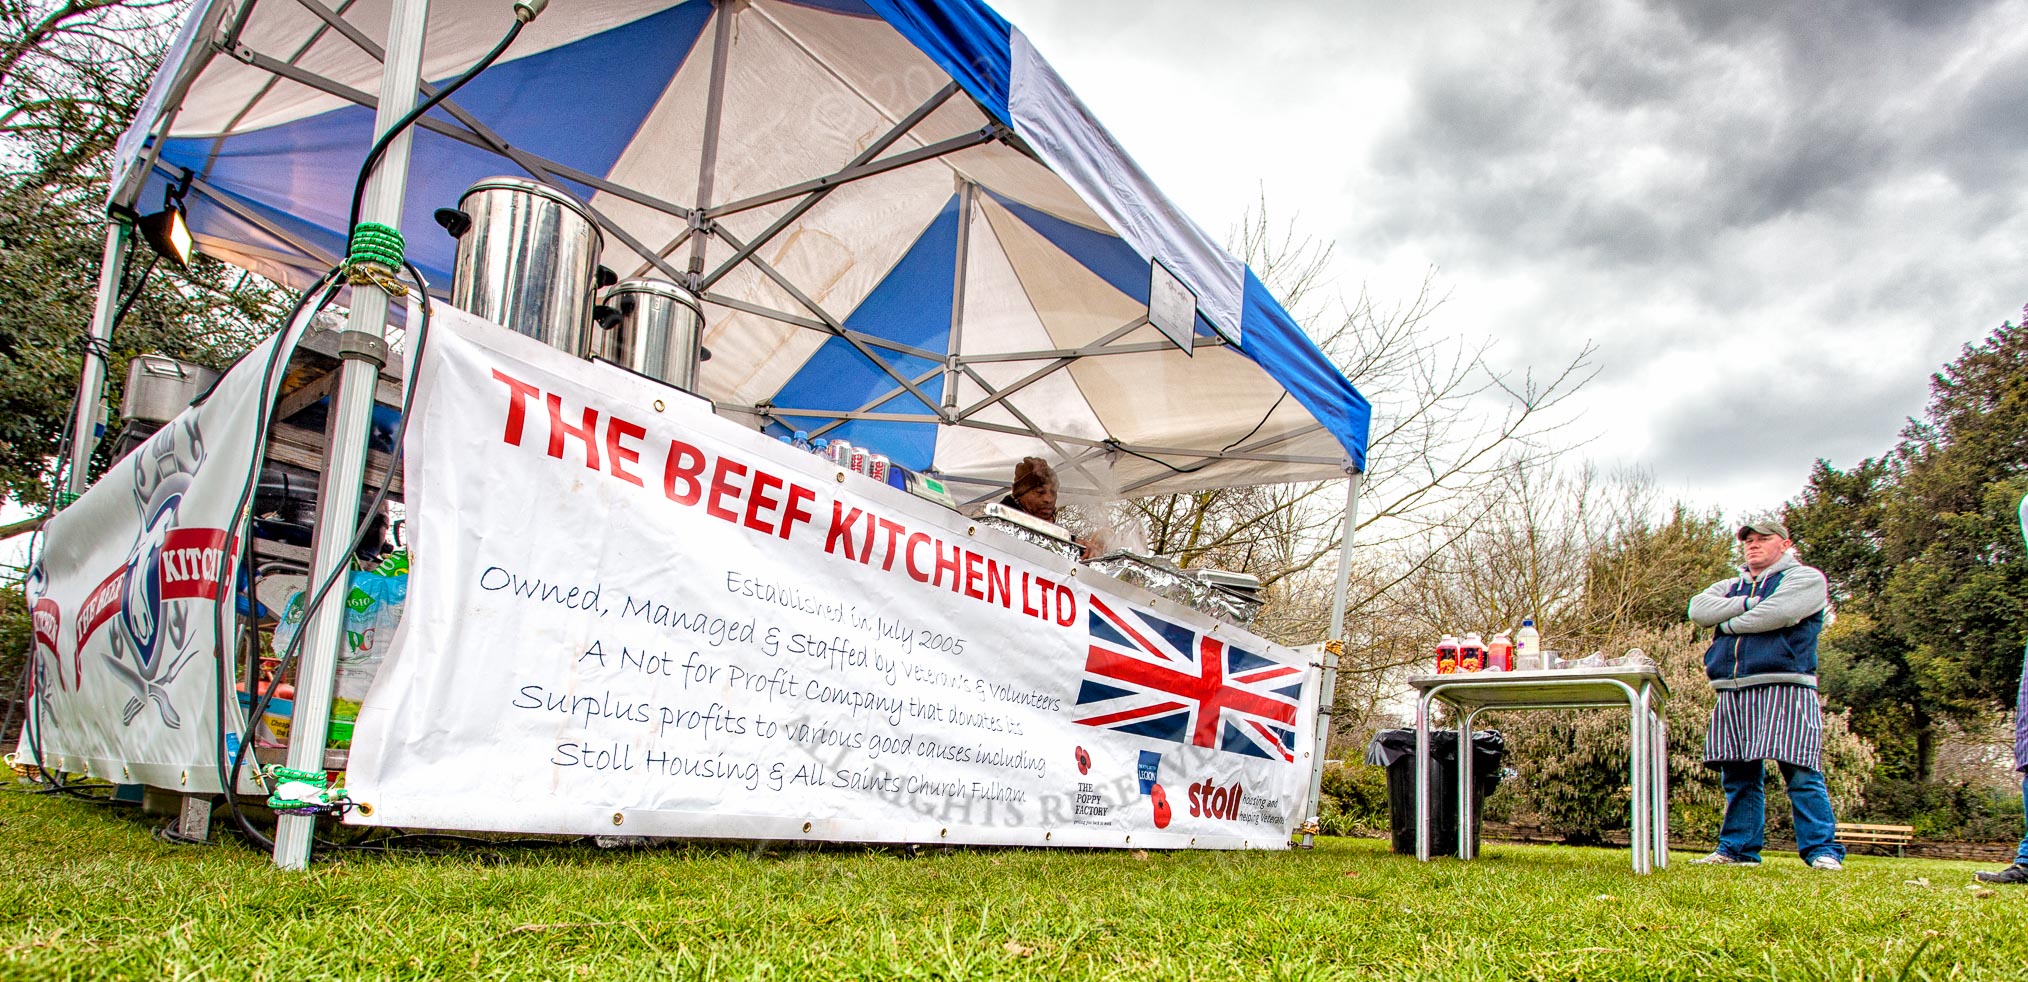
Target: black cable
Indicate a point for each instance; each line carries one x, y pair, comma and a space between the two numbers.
120, 312
90, 346
170, 833
379, 499
1115, 444
380, 146
258, 702
310, 606
72, 791
329, 283
1256, 427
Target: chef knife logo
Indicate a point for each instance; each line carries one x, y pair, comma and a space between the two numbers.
148, 602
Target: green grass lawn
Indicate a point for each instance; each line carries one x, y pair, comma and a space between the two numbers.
88, 892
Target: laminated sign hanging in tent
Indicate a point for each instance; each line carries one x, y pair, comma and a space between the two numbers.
906, 231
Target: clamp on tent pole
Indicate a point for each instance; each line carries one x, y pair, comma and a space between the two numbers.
360, 346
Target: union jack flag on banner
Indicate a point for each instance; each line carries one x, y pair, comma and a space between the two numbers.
1156, 678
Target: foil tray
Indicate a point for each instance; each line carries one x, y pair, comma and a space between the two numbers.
1164, 579
1034, 531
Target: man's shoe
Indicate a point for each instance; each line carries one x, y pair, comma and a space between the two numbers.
1827, 862
2016, 873
1722, 858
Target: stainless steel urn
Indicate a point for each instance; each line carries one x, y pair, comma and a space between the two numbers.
658, 331
529, 262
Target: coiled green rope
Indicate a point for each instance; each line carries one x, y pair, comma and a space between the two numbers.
374, 254
373, 242
298, 792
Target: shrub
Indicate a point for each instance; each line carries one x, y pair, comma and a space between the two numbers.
1354, 799
1958, 811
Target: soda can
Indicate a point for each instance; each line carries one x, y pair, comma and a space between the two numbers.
840, 452
859, 458
877, 467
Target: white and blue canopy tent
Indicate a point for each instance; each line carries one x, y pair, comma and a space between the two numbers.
906, 230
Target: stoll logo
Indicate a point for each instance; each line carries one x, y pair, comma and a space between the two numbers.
1208, 800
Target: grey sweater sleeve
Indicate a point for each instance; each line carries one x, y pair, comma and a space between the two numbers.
1802, 592
1712, 607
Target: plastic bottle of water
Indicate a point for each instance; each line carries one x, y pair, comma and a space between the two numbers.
1528, 647
821, 447
802, 441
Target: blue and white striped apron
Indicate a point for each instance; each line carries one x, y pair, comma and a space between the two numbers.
1767, 722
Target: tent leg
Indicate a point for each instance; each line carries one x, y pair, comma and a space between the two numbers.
350, 427
91, 384
1327, 693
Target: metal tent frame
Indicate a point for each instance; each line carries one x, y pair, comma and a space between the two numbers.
402, 85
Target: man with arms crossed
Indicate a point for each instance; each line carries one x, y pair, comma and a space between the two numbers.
1763, 662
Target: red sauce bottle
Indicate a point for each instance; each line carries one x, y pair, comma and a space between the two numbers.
1471, 654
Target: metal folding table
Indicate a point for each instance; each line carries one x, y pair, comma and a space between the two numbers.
1641, 690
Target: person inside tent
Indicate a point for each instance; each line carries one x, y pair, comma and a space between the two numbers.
1034, 493
1034, 490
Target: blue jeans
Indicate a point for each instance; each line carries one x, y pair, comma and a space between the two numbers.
2021, 855
1745, 827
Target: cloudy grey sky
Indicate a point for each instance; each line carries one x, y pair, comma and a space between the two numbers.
1774, 219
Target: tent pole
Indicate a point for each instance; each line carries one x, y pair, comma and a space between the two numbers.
714, 112
91, 385
967, 191
363, 346
1327, 693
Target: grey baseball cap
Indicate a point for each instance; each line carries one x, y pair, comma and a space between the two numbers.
1766, 526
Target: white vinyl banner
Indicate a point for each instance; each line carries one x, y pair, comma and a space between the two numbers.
627, 616
124, 598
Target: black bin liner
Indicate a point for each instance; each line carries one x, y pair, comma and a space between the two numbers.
1395, 750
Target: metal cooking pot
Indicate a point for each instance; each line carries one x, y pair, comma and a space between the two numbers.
657, 330
529, 261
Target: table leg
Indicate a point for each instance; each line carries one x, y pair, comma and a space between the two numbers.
1422, 763
1464, 785
1660, 782
1637, 776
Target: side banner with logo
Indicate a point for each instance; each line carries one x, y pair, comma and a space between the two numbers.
627, 616
124, 598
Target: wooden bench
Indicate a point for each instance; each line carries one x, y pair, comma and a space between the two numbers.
1853, 833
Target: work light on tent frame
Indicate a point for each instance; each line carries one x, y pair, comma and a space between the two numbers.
166, 231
